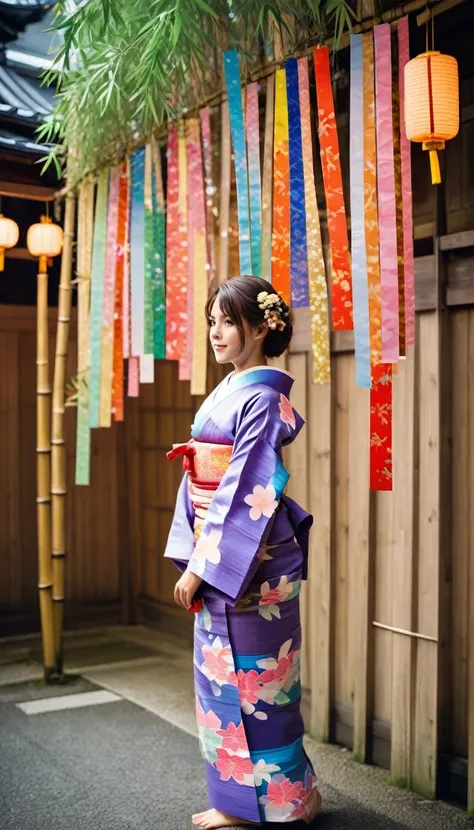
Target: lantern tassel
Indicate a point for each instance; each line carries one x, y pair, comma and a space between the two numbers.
435, 171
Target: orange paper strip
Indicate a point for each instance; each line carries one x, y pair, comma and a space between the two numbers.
341, 282
117, 378
370, 203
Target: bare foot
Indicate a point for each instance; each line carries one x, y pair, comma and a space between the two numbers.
213, 819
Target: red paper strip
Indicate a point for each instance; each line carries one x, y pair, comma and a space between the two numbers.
341, 280
281, 192
381, 427
117, 377
176, 243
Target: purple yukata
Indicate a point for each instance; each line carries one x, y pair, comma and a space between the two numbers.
248, 542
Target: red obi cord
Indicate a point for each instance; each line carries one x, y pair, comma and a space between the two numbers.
188, 451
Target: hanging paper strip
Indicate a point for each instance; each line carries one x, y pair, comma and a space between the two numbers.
85, 229
107, 350
211, 210
234, 96
137, 251
97, 296
360, 292
397, 163
117, 384
159, 228
281, 192
341, 288
255, 192
225, 182
267, 179
185, 364
386, 194
176, 264
183, 196
133, 388
407, 208
149, 253
298, 258
370, 204
381, 428
318, 295
127, 325
199, 350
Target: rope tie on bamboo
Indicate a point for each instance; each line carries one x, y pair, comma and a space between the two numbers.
43, 500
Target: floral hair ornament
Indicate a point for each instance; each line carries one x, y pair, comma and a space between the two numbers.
272, 307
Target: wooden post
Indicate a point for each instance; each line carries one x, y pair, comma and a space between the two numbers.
359, 565
58, 455
319, 567
43, 471
403, 648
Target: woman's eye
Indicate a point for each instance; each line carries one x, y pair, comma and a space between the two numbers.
210, 322
229, 323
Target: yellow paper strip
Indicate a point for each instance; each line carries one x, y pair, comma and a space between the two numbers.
318, 293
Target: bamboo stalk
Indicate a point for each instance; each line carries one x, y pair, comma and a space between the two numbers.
58, 455
43, 472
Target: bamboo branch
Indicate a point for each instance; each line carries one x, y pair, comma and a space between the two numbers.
58, 455
43, 471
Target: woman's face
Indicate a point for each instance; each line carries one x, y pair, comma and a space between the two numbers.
225, 339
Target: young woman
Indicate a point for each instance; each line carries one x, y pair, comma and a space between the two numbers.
242, 547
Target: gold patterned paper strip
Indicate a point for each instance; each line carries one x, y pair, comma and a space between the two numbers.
318, 294
85, 230
267, 179
370, 203
199, 247
397, 161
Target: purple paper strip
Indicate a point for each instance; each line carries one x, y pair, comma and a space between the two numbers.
386, 194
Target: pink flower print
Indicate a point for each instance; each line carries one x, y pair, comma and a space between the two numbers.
218, 662
210, 719
287, 413
262, 501
233, 766
282, 791
206, 550
306, 799
234, 739
249, 688
272, 596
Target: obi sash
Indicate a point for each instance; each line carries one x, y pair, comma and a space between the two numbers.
205, 464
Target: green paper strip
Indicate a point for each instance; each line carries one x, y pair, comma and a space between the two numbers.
97, 296
85, 229
149, 255
159, 246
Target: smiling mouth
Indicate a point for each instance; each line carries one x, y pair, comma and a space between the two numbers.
217, 348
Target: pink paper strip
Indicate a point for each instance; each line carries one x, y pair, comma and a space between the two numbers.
403, 58
126, 278
211, 190
133, 377
386, 194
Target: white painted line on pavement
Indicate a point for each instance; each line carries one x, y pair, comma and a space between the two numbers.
55, 704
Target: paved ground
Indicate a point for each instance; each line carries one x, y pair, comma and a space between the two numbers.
135, 763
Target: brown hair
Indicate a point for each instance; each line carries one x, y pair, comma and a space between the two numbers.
238, 300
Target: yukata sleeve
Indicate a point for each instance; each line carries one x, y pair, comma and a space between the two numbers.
180, 544
241, 513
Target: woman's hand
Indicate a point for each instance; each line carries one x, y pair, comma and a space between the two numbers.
185, 589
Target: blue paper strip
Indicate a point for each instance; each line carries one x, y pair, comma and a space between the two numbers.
97, 297
298, 249
236, 114
137, 251
360, 289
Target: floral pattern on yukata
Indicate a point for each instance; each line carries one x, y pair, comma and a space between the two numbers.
270, 596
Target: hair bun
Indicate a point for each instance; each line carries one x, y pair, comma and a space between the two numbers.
277, 341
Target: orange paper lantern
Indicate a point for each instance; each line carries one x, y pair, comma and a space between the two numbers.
432, 103
9, 233
45, 240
